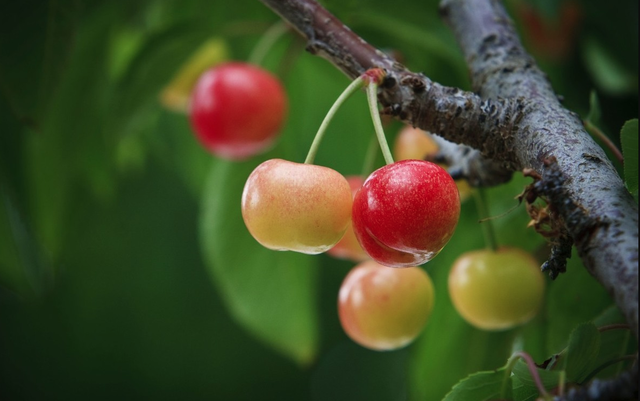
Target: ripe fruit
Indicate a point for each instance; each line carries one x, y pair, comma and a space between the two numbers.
496, 290
414, 143
237, 110
298, 207
384, 308
406, 212
349, 247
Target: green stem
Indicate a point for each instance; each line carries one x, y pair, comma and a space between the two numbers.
487, 226
372, 97
353, 87
268, 39
562, 379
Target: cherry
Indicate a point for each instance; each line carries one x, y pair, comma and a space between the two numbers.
406, 212
414, 143
349, 247
237, 110
496, 290
382, 308
298, 207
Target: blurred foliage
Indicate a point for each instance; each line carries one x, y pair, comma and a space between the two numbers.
125, 270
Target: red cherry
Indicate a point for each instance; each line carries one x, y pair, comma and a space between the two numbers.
406, 212
237, 110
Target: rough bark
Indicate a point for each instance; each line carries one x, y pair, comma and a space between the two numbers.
514, 121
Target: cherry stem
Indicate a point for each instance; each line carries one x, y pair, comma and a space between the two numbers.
615, 326
353, 87
597, 132
490, 239
268, 39
533, 369
562, 380
372, 97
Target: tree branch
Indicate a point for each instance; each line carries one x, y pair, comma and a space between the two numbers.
515, 121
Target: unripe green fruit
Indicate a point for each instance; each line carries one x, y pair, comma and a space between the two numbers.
496, 290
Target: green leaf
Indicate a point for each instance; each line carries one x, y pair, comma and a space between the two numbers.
524, 392
582, 352
595, 113
573, 298
610, 75
272, 294
549, 378
482, 386
629, 140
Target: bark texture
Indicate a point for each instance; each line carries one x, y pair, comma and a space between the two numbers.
513, 121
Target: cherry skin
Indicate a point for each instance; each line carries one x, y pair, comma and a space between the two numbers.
297, 207
349, 248
414, 143
496, 290
406, 212
382, 308
237, 110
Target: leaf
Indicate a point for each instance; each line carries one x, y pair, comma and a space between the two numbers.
610, 75
595, 113
573, 298
272, 294
629, 141
549, 378
523, 392
582, 352
72, 148
482, 386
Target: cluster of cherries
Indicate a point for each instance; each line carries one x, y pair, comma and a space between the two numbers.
396, 219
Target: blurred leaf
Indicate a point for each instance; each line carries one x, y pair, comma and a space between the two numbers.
582, 352
613, 343
159, 57
271, 293
73, 147
482, 386
175, 95
573, 298
349, 372
610, 76
629, 140
423, 37
523, 392
549, 378
595, 113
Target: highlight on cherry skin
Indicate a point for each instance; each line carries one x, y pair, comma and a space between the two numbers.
382, 308
348, 247
406, 212
496, 290
297, 207
237, 110
414, 143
